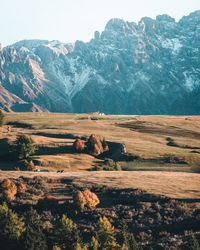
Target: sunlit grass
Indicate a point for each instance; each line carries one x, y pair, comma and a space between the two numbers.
150, 144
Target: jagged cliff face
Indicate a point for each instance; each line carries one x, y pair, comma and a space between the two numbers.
152, 67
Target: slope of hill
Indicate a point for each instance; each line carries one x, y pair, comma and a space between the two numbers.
147, 68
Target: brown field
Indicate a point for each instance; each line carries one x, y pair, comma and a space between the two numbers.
161, 186
183, 186
144, 136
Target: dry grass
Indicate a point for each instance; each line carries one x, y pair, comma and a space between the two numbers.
144, 136
171, 184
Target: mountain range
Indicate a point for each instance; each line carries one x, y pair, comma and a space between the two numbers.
152, 67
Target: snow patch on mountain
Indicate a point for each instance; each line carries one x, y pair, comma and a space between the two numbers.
24, 49
190, 81
57, 48
73, 78
172, 44
73, 63
138, 78
36, 70
80, 80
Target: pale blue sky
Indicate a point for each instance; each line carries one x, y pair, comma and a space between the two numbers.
71, 20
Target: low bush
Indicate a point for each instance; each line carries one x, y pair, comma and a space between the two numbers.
28, 166
115, 167
108, 168
48, 201
79, 145
9, 187
85, 198
21, 187
4, 198
118, 167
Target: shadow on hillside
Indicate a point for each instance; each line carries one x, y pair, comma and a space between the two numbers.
60, 136
195, 169
62, 192
115, 149
7, 151
145, 127
183, 147
195, 152
172, 143
67, 149
189, 200
115, 153
20, 125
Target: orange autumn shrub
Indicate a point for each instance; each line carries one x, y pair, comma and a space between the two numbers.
9, 187
95, 145
79, 199
21, 187
79, 145
91, 198
85, 198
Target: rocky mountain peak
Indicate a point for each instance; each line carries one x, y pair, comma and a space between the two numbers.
147, 68
193, 18
29, 44
114, 24
96, 34
165, 18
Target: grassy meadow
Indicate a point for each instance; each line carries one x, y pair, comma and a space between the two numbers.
157, 193
161, 143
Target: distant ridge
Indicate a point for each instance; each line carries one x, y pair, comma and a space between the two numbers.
152, 67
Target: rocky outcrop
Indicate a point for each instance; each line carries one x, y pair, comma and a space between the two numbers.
147, 68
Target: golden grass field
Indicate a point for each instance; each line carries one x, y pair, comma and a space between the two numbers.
144, 136
184, 186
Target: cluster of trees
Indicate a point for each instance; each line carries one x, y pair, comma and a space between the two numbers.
94, 145
28, 233
25, 147
20, 233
